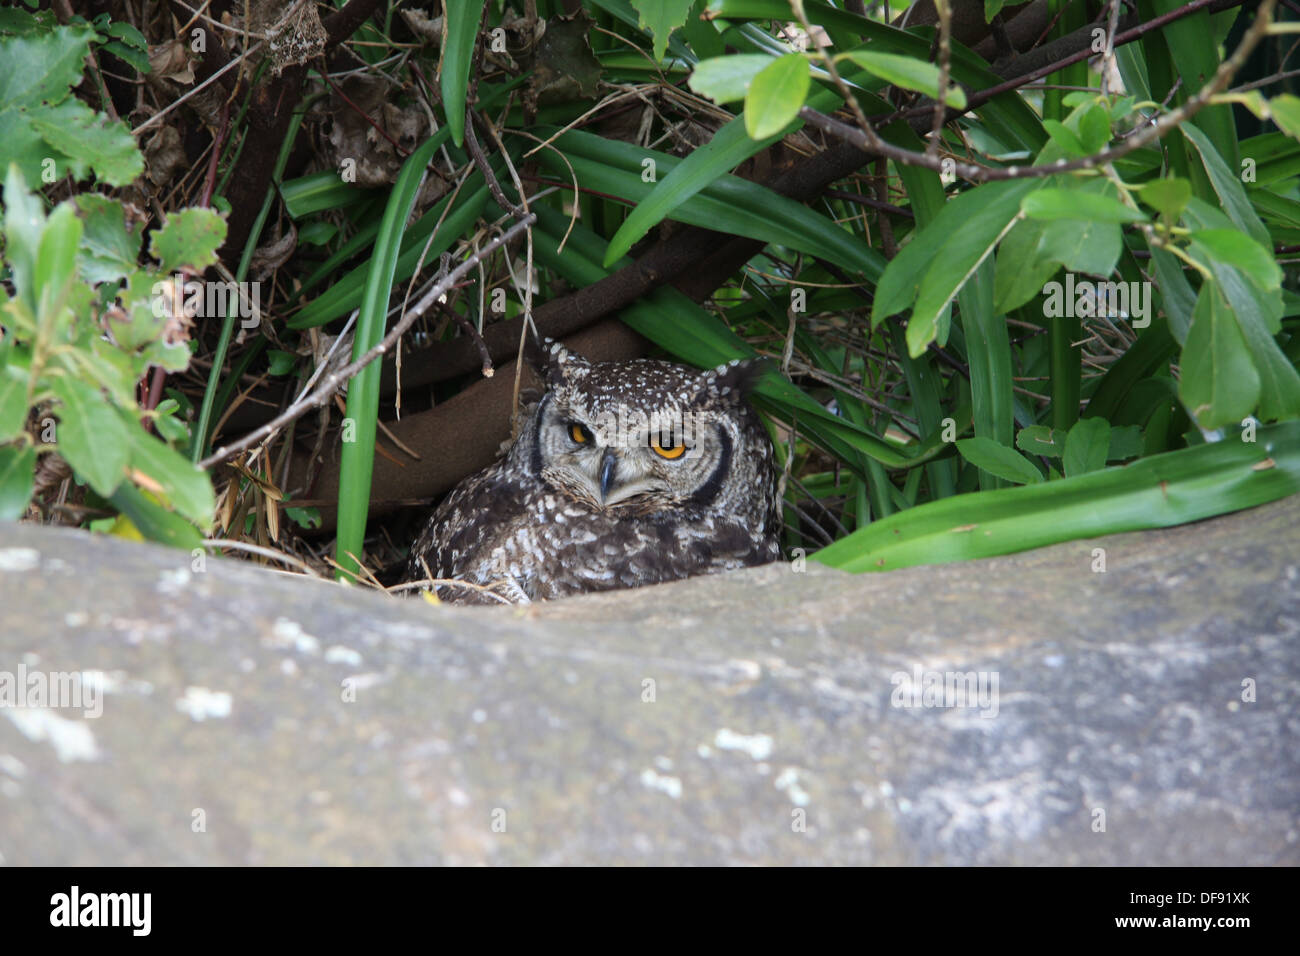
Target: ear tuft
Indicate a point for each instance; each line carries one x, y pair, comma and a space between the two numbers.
550, 359
734, 381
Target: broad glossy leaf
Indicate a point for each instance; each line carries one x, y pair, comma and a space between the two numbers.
1087, 447
908, 73
17, 468
1006, 463
1240, 251
1065, 203
1232, 195
776, 95
90, 435
1218, 383
726, 79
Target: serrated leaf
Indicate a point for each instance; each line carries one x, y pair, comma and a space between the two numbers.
726, 79
108, 251
90, 436
17, 468
660, 18
776, 95
90, 140
190, 238
1041, 440
1086, 447
42, 67
907, 73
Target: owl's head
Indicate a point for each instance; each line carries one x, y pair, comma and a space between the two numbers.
645, 435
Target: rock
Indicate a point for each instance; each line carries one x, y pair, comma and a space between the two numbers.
1144, 715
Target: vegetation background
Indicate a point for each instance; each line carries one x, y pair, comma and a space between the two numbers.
376, 197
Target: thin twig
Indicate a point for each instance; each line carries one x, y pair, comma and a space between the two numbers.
323, 392
870, 142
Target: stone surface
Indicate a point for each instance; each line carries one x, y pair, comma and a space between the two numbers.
772, 736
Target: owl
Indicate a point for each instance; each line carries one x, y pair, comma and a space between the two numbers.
622, 474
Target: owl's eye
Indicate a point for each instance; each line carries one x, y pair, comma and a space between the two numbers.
579, 433
667, 449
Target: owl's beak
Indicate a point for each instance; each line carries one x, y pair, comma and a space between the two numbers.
608, 467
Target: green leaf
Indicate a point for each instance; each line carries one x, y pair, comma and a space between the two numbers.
186, 487
998, 460
1041, 440
661, 18
1053, 203
1240, 251
776, 95
1086, 447
459, 34
24, 223
17, 468
1155, 492
907, 73
729, 204
937, 263
1094, 128
89, 140
1218, 383
56, 258
1022, 269
13, 388
108, 251
190, 238
153, 520
1125, 443
992, 8
726, 79
1065, 138
1167, 196
281, 362
42, 67
1285, 111
1230, 191
730, 146
90, 436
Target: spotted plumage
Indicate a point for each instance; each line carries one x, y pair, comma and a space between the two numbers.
623, 474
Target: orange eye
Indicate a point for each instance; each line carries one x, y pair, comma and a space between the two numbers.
579, 433
667, 449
